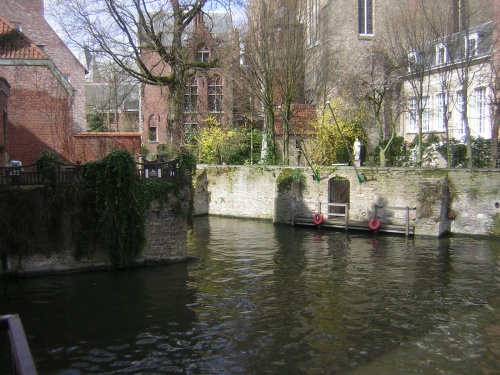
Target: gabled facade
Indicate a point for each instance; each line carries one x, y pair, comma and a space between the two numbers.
28, 16
208, 92
41, 99
47, 92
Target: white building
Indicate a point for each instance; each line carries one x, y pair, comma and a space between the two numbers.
450, 84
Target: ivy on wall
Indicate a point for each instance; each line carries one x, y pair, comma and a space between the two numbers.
104, 209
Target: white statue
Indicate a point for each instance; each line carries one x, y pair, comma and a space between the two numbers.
357, 149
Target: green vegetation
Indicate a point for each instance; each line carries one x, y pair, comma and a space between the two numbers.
218, 144
96, 122
330, 145
289, 177
103, 210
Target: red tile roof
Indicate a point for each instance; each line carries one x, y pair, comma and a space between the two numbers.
15, 45
303, 115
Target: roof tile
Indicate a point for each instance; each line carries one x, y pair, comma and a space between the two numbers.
15, 45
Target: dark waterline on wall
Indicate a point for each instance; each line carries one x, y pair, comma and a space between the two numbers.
274, 300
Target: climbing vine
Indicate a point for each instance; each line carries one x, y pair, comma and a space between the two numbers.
288, 177
103, 210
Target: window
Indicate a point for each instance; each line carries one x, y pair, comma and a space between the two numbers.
460, 105
426, 115
153, 129
215, 94
481, 110
365, 17
412, 115
203, 54
471, 46
412, 61
313, 21
441, 54
191, 95
441, 112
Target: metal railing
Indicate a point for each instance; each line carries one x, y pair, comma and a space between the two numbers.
407, 214
329, 214
31, 174
22, 361
162, 171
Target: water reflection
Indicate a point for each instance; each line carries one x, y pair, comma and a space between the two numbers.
274, 300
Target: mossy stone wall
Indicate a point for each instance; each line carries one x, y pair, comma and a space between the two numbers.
441, 200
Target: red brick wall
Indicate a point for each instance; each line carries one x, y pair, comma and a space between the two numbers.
95, 146
30, 13
4, 97
39, 114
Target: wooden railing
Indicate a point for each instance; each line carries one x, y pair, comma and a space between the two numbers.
31, 175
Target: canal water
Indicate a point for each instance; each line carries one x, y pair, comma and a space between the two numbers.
265, 299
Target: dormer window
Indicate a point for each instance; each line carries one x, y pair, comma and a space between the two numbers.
471, 45
203, 54
412, 61
441, 54
67, 76
41, 46
17, 25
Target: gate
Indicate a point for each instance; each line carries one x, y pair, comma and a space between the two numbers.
338, 192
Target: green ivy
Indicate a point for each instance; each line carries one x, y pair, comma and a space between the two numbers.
47, 166
288, 177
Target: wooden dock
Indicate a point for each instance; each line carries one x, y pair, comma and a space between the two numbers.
341, 221
354, 225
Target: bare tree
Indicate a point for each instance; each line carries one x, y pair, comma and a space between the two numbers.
273, 63
258, 65
146, 39
381, 87
408, 46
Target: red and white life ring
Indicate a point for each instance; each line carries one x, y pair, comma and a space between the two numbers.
317, 219
374, 224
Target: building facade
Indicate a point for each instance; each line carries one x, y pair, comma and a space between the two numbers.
41, 99
208, 91
353, 51
28, 16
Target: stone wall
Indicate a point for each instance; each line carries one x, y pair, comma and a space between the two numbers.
440, 200
166, 233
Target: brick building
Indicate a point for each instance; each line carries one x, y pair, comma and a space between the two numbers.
41, 98
4, 101
29, 17
208, 91
47, 92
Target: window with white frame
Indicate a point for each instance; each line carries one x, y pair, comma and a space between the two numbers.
153, 129
481, 110
215, 94
412, 115
460, 106
412, 62
440, 112
426, 115
365, 17
471, 45
441, 54
191, 95
203, 54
